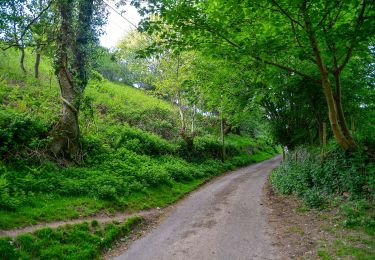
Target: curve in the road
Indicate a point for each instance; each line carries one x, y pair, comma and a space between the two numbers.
223, 221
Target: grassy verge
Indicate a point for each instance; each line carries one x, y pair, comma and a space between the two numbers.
52, 207
86, 240
340, 187
347, 247
80, 241
352, 235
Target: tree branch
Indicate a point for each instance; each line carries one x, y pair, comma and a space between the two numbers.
286, 68
328, 12
287, 14
34, 20
349, 52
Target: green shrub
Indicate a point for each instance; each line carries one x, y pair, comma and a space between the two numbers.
313, 198
7, 249
138, 141
6, 201
205, 147
19, 130
305, 174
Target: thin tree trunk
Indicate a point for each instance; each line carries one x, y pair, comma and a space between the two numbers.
320, 132
327, 88
222, 139
310, 136
193, 120
222, 132
352, 124
22, 59
36, 65
340, 111
182, 117
37, 59
324, 133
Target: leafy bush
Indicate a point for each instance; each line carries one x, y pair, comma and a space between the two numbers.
305, 174
6, 201
205, 147
18, 130
138, 141
7, 250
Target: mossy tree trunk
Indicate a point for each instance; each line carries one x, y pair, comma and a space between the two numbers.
70, 68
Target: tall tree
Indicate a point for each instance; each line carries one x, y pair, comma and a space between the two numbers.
310, 39
18, 19
75, 36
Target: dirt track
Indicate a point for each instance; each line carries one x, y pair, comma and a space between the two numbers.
223, 220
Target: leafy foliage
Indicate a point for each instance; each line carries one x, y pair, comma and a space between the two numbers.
316, 180
132, 158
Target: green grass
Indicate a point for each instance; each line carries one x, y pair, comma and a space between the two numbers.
79, 241
51, 207
133, 160
56, 209
132, 157
261, 156
46, 209
347, 249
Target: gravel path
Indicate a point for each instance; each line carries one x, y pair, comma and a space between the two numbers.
224, 220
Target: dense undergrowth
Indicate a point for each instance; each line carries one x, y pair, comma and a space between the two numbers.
334, 179
133, 159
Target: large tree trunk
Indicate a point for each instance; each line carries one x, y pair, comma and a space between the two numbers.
327, 87
66, 133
